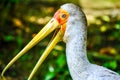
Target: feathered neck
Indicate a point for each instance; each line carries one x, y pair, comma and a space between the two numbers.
75, 38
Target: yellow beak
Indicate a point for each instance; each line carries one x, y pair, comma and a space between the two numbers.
51, 26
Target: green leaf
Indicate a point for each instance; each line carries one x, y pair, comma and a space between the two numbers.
8, 38
111, 64
49, 76
19, 41
61, 61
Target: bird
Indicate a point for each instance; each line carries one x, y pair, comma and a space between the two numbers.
71, 24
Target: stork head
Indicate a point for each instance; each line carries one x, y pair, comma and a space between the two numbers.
75, 22
63, 21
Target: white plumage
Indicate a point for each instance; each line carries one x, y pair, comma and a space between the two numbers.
75, 39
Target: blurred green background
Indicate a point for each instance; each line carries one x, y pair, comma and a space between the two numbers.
21, 20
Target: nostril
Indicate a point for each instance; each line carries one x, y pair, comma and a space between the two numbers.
51, 21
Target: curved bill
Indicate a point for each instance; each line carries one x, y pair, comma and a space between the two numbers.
51, 45
52, 25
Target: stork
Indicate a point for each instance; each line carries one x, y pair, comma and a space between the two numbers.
72, 25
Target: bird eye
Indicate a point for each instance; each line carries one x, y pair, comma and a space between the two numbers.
63, 15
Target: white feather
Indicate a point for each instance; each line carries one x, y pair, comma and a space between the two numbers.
75, 39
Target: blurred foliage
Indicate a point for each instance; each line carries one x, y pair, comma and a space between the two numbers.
22, 19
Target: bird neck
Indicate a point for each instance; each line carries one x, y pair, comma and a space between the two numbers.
76, 51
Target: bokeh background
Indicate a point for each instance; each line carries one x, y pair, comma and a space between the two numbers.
21, 20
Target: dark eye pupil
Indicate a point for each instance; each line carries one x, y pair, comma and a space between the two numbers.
63, 15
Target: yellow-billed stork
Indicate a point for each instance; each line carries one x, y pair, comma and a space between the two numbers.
72, 24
